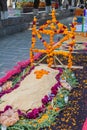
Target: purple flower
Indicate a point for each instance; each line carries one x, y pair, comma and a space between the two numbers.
43, 107
3, 80
7, 107
33, 114
16, 86
45, 100
49, 98
16, 70
30, 115
24, 64
58, 84
9, 74
55, 87
54, 92
1, 94
60, 70
8, 91
37, 56
40, 109
57, 77
22, 78
51, 95
72, 25
20, 113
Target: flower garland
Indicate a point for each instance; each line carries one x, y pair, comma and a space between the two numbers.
36, 111
9, 82
44, 112
50, 47
59, 92
51, 105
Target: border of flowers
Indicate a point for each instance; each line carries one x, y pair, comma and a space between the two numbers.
19, 69
47, 98
36, 113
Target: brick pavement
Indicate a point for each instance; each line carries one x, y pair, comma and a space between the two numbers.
14, 48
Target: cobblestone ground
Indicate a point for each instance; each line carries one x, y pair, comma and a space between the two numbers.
15, 48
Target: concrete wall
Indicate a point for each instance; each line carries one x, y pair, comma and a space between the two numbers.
18, 24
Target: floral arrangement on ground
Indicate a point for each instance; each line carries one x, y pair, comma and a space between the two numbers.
52, 103
57, 96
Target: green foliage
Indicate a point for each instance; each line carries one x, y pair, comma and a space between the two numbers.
26, 70
48, 117
20, 127
70, 77
18, 77
45, 119
60, 99
1, 101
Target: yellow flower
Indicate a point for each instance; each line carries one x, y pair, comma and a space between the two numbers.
61, 95
43, 118
40, 73
35, 19
48, 21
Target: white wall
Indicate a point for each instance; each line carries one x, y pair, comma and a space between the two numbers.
9, 2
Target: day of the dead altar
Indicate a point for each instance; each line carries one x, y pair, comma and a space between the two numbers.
36, 91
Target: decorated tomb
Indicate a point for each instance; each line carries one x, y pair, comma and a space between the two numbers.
36, 90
